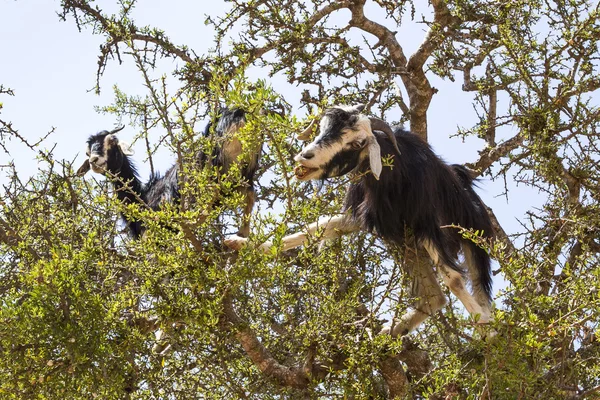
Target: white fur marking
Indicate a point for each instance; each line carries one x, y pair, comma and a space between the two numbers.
456, 283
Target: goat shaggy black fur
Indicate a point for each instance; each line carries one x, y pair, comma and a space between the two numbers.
421, 192
418, 191
108, 155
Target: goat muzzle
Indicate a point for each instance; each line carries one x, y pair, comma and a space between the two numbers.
85, 167
302, 171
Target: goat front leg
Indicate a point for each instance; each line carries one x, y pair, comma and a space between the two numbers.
333, 227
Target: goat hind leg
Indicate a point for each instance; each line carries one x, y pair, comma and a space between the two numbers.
430, 299
480, 311
479, 292
250, 199
456, 284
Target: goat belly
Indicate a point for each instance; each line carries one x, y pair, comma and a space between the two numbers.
375, 214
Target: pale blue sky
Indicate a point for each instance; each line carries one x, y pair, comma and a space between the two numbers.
52, 68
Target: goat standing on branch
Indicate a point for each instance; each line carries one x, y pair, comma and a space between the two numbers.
110, 156
419, 191
228, 151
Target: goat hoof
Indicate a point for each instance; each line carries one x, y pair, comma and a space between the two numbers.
235, 242
394, 331
244, 233
386, 330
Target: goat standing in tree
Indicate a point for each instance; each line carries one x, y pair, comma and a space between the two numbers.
110, 156
419, 191
229, 151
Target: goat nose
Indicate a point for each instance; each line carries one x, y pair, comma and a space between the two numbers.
93, 158
308, 155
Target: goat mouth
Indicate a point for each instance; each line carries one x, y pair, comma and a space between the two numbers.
98, 168
303, 172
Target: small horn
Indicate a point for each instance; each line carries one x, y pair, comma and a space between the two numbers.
116, 130
307, 133
380, 125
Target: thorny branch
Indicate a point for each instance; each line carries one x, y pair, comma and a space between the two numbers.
118, 32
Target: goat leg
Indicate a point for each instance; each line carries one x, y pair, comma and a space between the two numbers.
250, 195
332, 227
429, 299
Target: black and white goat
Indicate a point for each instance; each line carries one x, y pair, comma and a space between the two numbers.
110, 156
228, 151
418, 191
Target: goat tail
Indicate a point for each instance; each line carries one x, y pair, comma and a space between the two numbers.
478, 260
480, 270
464, 175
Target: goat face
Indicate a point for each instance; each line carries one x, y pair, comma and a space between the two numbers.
105, 153
345, 140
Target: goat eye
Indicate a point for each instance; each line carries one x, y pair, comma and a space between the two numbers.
358, 144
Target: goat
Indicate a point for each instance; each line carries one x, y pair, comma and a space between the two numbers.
229, 151
109, 156
419, 191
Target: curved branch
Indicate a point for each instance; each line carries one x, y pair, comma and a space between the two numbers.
119, 33
434, 37
395, 377
488, 157
411, 71
288, 376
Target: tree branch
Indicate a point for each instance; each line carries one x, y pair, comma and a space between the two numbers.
394, 376
295, 377
488, 157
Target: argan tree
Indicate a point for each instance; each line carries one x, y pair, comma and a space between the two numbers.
87, 312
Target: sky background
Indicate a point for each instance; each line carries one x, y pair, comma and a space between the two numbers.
51, 67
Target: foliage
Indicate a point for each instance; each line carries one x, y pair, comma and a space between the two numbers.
85, 312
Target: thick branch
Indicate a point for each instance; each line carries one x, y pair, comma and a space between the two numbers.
435, 36
499, 232
411, 71
394, 376
416, 359
288, 376
488, 157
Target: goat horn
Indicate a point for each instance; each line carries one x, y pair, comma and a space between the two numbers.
307, 133
380, 125
116, 130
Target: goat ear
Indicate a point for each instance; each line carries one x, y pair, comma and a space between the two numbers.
85, 167
375, 157
126, 148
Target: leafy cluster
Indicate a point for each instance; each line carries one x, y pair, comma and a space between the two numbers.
86, 312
